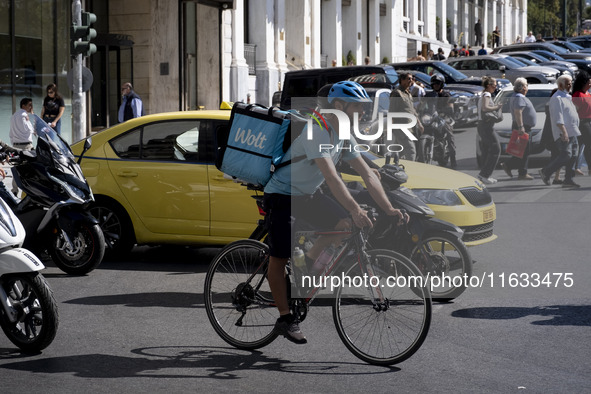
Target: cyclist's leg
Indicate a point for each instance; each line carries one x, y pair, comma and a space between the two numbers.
322, 211
278, 209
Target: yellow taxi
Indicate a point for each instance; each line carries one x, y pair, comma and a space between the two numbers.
155, 182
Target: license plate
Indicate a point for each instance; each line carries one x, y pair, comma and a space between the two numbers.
488, 215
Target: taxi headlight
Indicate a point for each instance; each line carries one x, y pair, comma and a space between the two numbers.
438, 196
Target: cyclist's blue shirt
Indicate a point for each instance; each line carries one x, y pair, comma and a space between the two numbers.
303, 177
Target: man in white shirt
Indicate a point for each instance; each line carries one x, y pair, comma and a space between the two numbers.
21, 130
565, 130
530, 37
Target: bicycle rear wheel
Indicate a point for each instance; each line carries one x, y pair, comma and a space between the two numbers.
238, 299
388, 329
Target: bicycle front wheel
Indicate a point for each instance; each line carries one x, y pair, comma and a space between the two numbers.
384, 319
445, 258
238, 299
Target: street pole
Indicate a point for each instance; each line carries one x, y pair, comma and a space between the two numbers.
78, 97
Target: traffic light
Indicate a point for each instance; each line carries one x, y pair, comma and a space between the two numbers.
85, 33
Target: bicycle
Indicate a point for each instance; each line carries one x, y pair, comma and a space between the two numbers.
380, 324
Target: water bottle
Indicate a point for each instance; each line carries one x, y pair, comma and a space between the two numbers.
323, 260
299, 259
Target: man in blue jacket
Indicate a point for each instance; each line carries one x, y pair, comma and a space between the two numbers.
131, 104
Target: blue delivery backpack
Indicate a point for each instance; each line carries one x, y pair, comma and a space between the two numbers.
253, 146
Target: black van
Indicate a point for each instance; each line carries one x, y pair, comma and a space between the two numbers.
307, 83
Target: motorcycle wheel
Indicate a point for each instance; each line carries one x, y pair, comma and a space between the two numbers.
85, 255
443, 255
36, 309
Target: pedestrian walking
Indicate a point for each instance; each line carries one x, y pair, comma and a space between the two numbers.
478, 33
401, 100
439, 55
524, 119
582, 101
491, 147
131, 104
496, 35
565, 130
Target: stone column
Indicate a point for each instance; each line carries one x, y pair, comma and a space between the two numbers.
238, 73
352, 25
280, 41
262, 34
332, 31
452, 10
315, 36
442, 14
523, 17
374, 31
485, 29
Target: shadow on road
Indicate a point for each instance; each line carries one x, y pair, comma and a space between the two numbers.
169, 362
164, 299
555, 315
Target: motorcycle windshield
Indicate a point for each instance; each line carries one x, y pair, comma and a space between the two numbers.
54, 152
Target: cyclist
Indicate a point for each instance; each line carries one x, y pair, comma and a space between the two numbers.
297, 186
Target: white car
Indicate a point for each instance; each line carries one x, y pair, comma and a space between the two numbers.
503, 66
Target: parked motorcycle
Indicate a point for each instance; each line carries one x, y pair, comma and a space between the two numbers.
28, 311
436, 143
434, 245
54, 210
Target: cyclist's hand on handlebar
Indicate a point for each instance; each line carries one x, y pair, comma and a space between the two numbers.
361, 219
403, 216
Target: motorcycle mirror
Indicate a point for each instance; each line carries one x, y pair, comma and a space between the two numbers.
87, 145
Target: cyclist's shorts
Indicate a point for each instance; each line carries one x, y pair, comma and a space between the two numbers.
319, 211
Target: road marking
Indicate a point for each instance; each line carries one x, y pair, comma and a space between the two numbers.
530, 195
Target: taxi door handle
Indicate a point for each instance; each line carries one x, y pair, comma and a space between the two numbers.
127, 174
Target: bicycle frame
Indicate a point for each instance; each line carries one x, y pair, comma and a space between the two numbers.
355, 242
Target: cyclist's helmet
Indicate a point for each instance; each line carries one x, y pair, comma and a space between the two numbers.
438, 78
348, 91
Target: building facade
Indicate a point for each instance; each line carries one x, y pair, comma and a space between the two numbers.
192, 54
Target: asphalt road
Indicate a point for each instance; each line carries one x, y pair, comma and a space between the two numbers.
139, 325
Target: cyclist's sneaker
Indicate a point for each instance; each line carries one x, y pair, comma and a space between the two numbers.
290, 330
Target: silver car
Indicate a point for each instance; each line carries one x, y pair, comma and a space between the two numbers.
503, 66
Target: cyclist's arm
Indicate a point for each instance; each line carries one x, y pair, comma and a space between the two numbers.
341, 193
373, 185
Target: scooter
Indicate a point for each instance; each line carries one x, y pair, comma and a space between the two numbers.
28, 311
54, 210
434, 245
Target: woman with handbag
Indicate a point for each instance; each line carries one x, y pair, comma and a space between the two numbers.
488, 115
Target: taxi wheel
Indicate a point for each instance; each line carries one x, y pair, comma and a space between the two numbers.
116, 226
